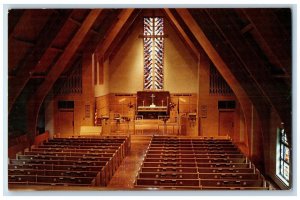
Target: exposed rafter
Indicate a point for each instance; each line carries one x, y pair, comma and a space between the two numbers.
122, 33
220, 64
179, 29
123, 17
277, 47
275, 93
13, 19
212, 52
18, 82
37, 99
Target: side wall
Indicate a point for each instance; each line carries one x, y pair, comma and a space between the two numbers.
81, 102
209, 122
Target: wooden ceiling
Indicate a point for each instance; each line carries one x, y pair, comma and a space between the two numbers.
255, 44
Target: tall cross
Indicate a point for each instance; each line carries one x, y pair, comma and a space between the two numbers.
152, 96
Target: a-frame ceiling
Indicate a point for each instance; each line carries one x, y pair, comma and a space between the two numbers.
255, 44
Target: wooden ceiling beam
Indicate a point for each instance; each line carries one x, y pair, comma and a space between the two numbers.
37, 99
20, 14
274, 92
20, 79
179, 29
117, 41
278, 47
14, 17
23, 41
212, 53
239, 91
103, 47
78, 23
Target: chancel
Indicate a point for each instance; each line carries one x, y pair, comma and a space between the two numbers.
151, 109
150, 99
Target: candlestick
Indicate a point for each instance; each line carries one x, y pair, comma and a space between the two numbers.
162, 102
143, 103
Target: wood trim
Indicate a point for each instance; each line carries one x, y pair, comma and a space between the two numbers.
101, 71
95, 62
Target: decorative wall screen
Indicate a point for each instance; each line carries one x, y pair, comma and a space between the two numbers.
153, 53
72, 83
217, 84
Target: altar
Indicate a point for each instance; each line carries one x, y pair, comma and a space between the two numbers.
152, 104
152, 112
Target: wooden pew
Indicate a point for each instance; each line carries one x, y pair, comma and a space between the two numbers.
233, 188
73, 161
233, 176
52, 172
168, 175
221, 165
231, 183
35, 179
198, 160
193, 155
169, 169
149, 182
179, 163
225, 170
116, 159
103, 172
168, 164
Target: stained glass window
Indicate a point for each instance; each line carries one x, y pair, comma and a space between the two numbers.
153, 53
284, 157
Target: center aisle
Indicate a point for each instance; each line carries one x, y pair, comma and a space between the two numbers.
125, 175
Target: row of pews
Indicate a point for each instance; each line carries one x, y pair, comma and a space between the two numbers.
69, 162
207, 164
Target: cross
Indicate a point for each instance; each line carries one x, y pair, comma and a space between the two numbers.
152, 96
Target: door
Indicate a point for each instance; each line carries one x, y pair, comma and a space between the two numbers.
226, 123
66, 123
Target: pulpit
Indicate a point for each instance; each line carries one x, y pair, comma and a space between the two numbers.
152, 104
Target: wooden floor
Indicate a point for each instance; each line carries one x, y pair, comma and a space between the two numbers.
125, 175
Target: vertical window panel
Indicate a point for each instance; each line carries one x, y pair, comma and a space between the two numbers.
153, 53
284, 157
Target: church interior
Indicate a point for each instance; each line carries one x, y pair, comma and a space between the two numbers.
149, 99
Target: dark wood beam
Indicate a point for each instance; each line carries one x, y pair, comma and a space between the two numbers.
56, 49
278, 47
224, 70
37, 77
14, 16
181, 32
78, 23
247, 28
44, 41
273, 91
115, 45
103, 47
37, 99
23, 41
213, 54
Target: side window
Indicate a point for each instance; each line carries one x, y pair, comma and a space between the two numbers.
284, 151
